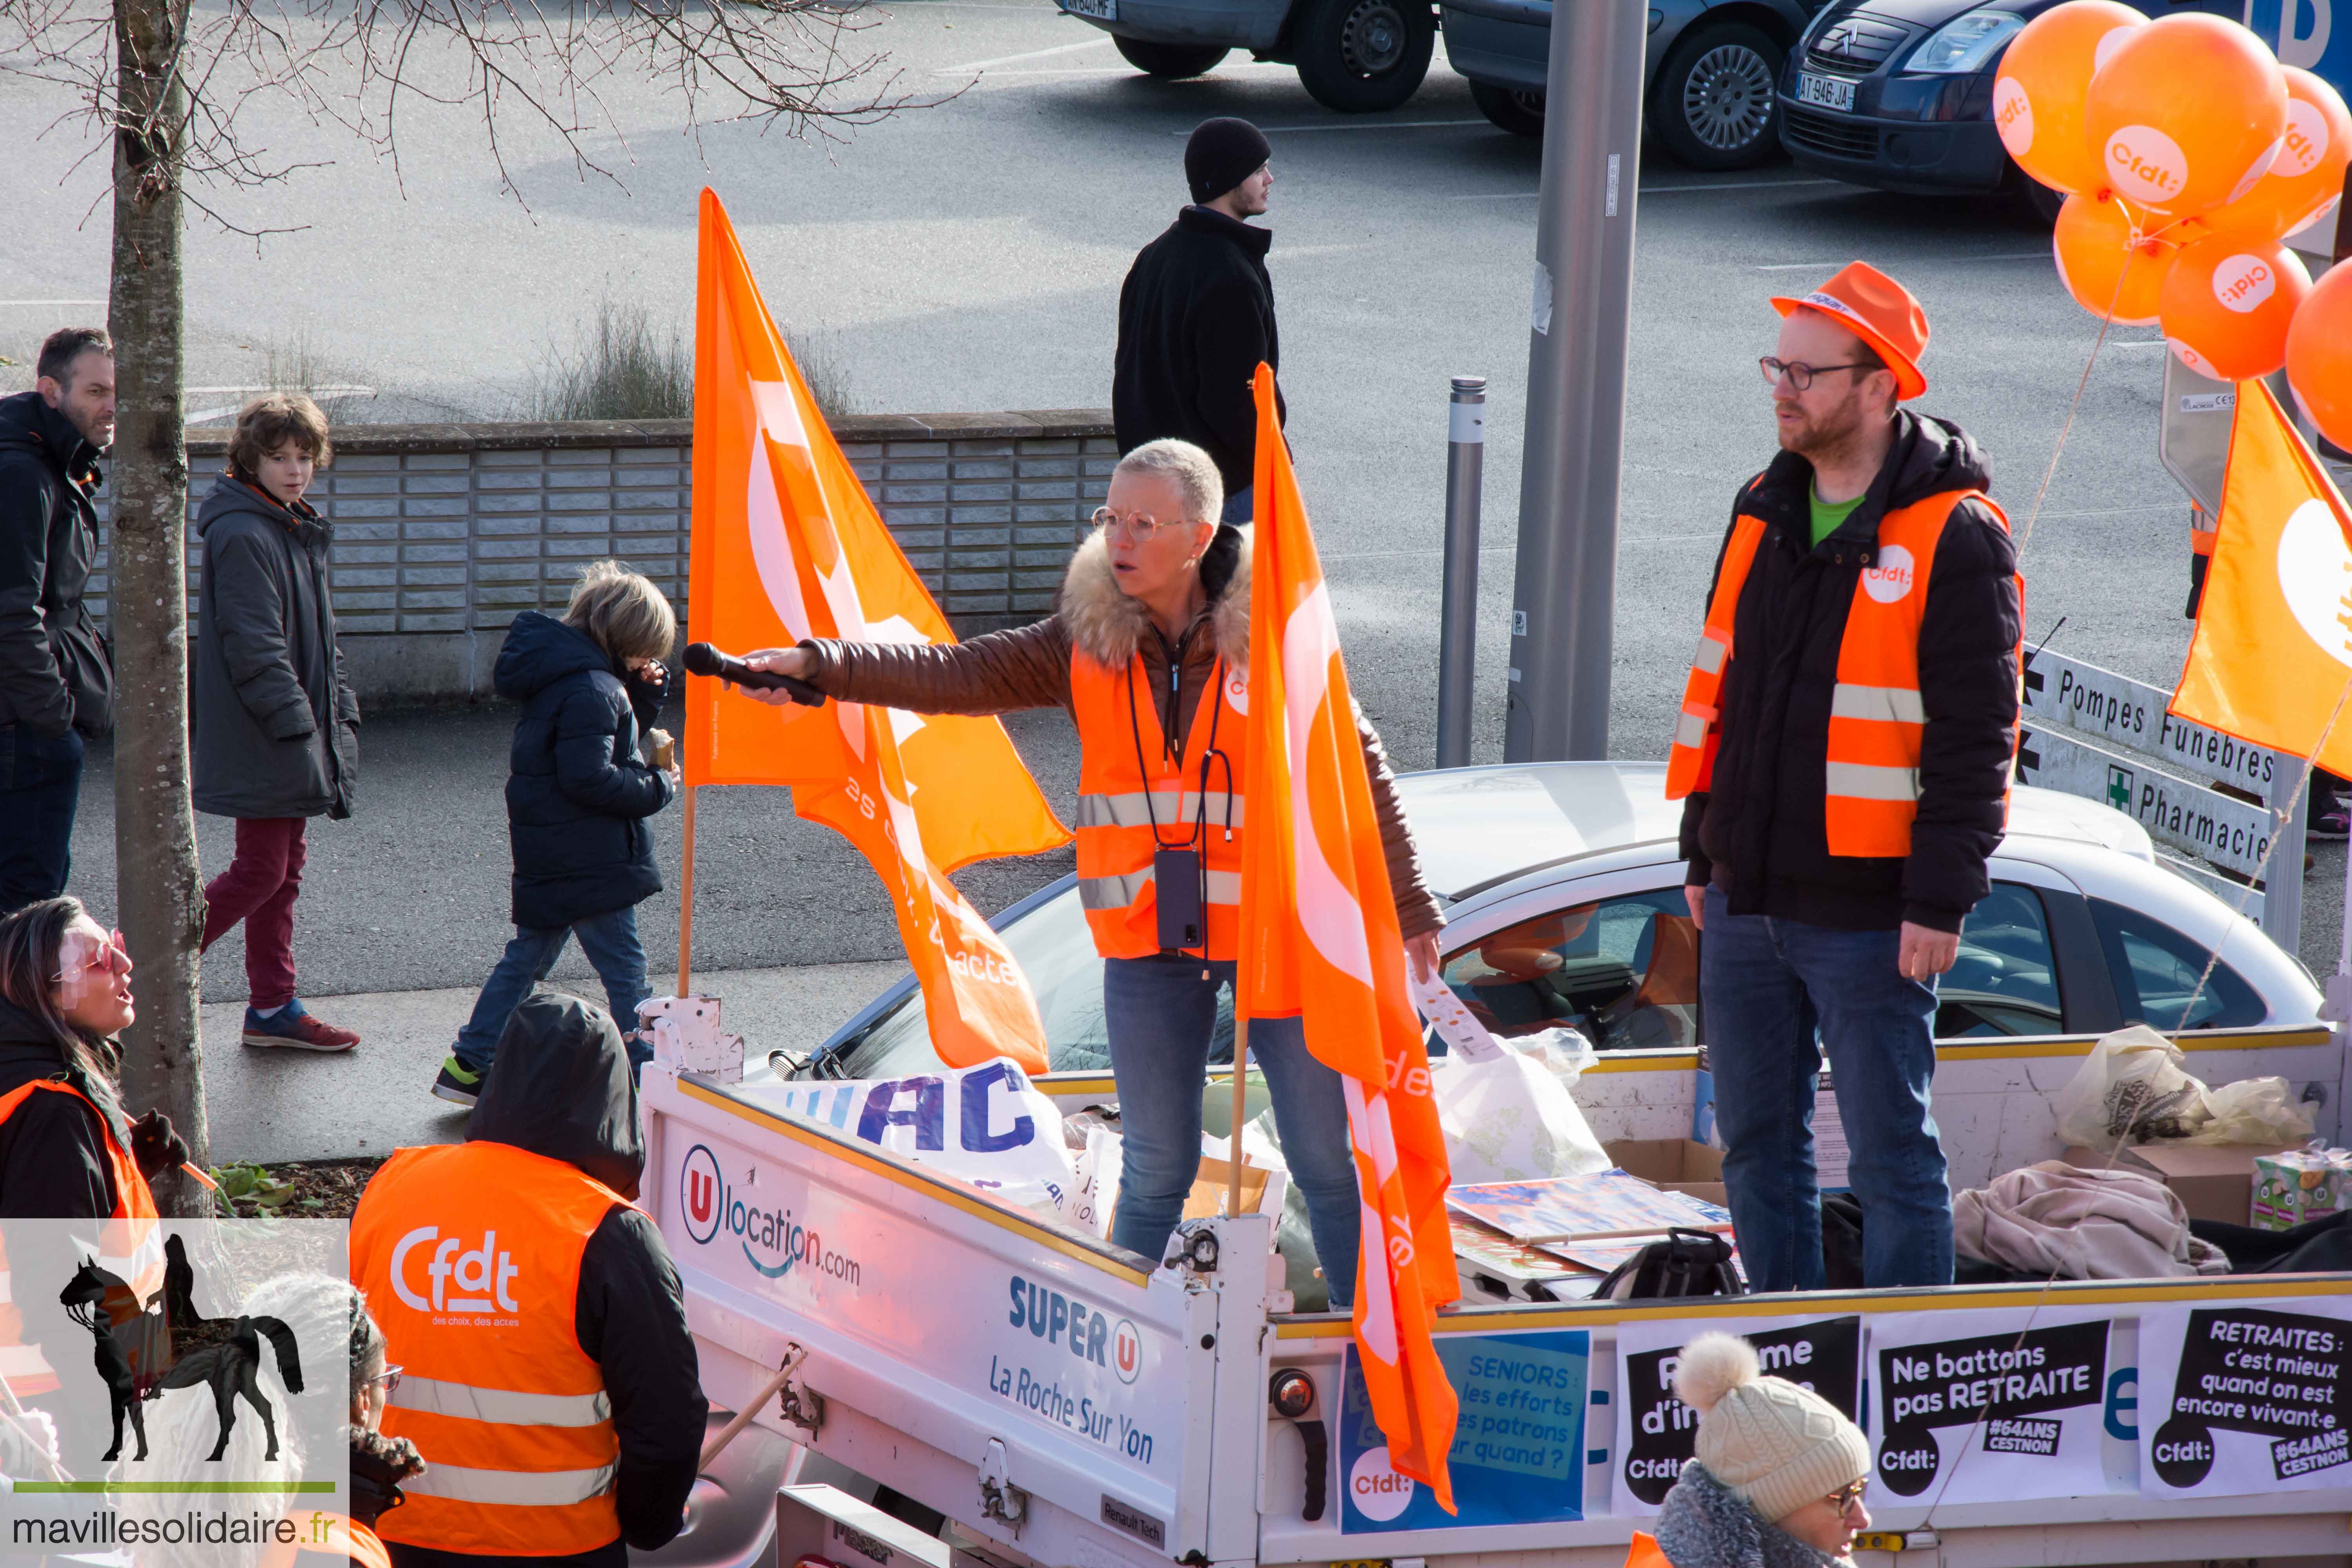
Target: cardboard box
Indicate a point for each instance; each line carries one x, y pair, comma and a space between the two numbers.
1675, 1165
2213, 1180
2296, 1187
1208, 1195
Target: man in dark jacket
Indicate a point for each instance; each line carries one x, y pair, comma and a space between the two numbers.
1844, 744
56, 681
1196, 314
545, 1181
276, 725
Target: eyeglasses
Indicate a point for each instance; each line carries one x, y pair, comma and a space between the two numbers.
390, 1378
112, 958
1846, 1496
1801, 376
1140, 526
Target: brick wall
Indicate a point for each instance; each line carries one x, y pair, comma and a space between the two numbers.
444, 532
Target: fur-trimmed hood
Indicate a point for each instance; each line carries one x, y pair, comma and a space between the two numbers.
1107, 625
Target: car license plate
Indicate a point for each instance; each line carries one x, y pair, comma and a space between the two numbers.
1100, 10
1827, 91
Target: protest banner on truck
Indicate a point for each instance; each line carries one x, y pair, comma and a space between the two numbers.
2245, 1399
1517, 1455
1990, 1406
1656, 1430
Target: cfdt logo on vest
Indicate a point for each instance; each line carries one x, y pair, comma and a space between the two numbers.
485, 1273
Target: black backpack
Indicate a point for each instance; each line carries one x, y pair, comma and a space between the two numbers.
1687, 1263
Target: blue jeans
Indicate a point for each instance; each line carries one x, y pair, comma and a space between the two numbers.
40, 785
1767, 986
1237, 512
1160, 1014
611, 943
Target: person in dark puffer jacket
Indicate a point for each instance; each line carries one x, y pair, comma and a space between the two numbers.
591, 684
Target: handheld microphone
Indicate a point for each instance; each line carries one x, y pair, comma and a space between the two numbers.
701, 659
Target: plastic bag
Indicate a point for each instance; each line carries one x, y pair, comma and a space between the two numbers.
2254, 1110
1509, 1117
2130, 1089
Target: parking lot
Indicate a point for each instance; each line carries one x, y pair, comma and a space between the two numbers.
969, 256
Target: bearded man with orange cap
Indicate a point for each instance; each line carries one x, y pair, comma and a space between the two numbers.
1843, 753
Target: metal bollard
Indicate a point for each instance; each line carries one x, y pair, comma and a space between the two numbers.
1457, 638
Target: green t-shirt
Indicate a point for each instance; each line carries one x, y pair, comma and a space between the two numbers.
1828, 516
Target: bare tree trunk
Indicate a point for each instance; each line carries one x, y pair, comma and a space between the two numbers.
157, 889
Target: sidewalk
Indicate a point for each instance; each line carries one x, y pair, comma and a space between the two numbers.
271, 1105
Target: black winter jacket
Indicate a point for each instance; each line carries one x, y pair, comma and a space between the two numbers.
561, 1087
55, 670
1758, 834
579, 794
276, 727
53, 1163
1195, 316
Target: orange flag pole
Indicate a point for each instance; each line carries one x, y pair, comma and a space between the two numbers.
686, 904
1240, 1105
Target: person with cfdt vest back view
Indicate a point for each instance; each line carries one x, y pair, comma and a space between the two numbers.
1843, 751
1148, 652
546, 1372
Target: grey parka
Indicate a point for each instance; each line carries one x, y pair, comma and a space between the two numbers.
276, 726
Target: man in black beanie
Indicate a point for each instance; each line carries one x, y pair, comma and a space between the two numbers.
1196, 314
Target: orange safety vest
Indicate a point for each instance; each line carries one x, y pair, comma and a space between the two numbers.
1645, 1553
1871, 774
470, 1254
1134, 799
130, 1246
2202, 526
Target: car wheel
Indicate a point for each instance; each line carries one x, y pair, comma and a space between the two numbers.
1713, 106
1514, 108
1170, 61
1360, 56
2038, 198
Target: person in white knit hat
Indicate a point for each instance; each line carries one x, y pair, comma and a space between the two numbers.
1777, 1472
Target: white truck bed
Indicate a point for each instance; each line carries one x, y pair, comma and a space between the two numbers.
1063, 1405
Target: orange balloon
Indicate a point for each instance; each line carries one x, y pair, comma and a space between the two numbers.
2319, 355
2226, 304
2309, 173
2105, 262
2037, 97
2188, 113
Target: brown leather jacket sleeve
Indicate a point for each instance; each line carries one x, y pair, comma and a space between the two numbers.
1028, 666
1416, 906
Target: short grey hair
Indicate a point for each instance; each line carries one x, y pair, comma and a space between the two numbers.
1191, 470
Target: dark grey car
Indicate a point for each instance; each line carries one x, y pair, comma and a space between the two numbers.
1709, 69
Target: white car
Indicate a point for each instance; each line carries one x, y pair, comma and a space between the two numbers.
1564, 897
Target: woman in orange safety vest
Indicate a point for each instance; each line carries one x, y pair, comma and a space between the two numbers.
66, 1149
1148, 652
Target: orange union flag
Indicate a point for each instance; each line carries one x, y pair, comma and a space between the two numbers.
787, 545
1327, 950
2272, 650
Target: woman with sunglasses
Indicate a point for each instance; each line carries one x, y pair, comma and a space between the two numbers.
66, 1149
1776, 1475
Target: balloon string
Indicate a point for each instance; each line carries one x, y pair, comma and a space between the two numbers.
2106, 320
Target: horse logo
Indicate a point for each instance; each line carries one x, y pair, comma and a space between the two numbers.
144, 1347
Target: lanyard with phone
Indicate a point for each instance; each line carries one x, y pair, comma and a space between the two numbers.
1180, 873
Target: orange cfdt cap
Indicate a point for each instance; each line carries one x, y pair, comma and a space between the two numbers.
1880, 312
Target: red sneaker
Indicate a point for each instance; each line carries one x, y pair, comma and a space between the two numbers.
292, 1028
